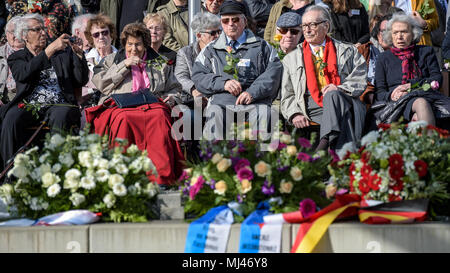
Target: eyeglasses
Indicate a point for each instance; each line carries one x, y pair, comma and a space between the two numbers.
97, 34
38, 29
233, 19
155, 28
213, 32
293, 31
312, 25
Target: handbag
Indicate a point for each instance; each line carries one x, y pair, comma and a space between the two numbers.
133, 99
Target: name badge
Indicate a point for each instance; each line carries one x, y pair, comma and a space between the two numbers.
244, 62
355, 11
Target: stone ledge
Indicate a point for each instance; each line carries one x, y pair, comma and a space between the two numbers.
170, 237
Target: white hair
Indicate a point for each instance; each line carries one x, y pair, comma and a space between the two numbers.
80, 21
324, 14
22, 25
12, 23
203, 21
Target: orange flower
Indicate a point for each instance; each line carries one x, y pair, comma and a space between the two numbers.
229, 49
277, 37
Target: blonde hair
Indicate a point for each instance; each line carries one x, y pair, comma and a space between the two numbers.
155, 17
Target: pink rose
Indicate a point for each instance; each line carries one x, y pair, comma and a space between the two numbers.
435, 85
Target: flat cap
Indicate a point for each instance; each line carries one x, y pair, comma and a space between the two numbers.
232, 7
289, 19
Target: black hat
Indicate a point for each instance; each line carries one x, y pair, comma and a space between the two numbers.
232, 7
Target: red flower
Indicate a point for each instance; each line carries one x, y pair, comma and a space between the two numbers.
396, 172
365, 157
398, 186
396, 160
364, 185
442, 133
170, 62
421, 167
393, 197
384, 126
347, 155
374, 182
21, 105
366, 170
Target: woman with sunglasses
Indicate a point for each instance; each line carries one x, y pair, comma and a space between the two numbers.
158, 29
45, 75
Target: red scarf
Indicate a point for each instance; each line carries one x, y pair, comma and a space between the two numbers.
330, 71
410, 69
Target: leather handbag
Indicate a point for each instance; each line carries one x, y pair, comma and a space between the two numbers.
133, 99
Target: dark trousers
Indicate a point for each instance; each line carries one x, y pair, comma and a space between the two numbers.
15, 126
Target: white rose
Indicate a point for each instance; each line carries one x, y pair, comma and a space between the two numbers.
216, 158
102, 163
73, 174
70, 184
133, 149
109, 200
119, 190
87, 182
20, 171
56, 168
147, 165
102, 175
66, 159
223, 164
136, 165
296, 173
122, 169
77, 199
49, 179
151, 189
114, 180
53, 190
57, 140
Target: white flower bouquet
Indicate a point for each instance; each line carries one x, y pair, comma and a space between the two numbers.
82, 172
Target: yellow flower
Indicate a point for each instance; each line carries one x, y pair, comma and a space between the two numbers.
246, 186
262, 168
277, 37
296, 173
229, 49
286, 187
223, 164
291, 150
216, 158
221, 187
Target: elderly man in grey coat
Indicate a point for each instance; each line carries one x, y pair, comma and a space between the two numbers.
249, 86
322, 81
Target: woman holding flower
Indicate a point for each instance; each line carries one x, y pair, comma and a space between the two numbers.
404, 68
148, 126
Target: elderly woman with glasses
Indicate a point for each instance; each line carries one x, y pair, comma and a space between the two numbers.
149, 126
403, 68
46, 76
158, 29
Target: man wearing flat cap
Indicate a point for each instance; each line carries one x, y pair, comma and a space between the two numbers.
255, 81
322, 81
289, 27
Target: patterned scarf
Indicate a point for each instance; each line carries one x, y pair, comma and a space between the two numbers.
410, 69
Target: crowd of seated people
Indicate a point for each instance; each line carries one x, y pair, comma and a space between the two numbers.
333, 63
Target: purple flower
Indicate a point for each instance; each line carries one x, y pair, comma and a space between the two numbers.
231, 144
213, 184
239, 198
307, 207
334, 155
304, 157
196, 187
281, 146
282, 168
266, 189
245, 173
304, 142
241, 148
241, 163
435, 85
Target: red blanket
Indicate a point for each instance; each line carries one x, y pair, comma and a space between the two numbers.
147, 126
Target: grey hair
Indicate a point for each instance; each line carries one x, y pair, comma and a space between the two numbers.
203, 21
13, 22
78, 22
325, 14
416, 30
22, 25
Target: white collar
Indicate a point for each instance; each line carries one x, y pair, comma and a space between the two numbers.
93, 53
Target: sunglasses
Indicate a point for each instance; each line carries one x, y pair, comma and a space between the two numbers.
213, 32
292, 30
97, 34
233, 19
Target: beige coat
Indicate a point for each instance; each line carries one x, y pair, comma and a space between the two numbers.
113, 77
351, 68
178, 34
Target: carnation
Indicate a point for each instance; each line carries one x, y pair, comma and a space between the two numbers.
109, 200
87, 182
114, 180
122, 169
73, 174
66, 159
119, 190
102, 175
49, 179
53, 190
